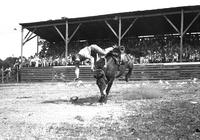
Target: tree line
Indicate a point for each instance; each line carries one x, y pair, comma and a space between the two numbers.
8, 62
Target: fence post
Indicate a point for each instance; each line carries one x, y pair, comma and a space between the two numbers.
2, 75
17, 74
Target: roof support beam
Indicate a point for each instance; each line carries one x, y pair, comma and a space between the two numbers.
111, 29
38, 39
59, 32
26, 39
22, 42
181, 35
170, 22
129, 27
27, 35
66, 39
120, 31
195, 18
29, 39
74, 32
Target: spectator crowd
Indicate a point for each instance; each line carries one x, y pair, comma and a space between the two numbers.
165, 49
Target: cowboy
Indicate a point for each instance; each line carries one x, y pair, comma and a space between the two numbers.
86, 53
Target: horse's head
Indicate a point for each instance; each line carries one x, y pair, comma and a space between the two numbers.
115, 54
122, 49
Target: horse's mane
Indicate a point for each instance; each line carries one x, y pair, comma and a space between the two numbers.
114, 53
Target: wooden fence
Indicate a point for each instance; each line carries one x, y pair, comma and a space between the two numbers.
160, 71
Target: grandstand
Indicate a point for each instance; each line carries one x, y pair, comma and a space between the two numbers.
168, 38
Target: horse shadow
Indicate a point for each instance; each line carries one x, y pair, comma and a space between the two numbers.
87, 101
58, 101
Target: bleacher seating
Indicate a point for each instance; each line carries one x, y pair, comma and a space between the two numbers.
161, 71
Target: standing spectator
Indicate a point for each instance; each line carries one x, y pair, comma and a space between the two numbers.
50, 61
44, 62
37, 60
63, 62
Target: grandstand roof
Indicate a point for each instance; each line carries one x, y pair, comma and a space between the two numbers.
149, 22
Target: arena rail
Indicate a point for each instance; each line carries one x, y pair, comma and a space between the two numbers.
156, 71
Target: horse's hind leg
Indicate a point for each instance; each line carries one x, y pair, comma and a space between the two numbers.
109, 86
128, 75
102, 87
122, 69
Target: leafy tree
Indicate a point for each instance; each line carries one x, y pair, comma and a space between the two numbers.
1, 63
9, 62
52, 49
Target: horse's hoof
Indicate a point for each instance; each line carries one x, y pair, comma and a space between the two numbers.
103, 99
127, 79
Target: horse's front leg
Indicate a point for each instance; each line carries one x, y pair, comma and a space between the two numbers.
109, 86
102, 87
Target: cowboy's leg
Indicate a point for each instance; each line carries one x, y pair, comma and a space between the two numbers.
92, 63
98, 49
77, 72
107, 50
86, 54
77, 63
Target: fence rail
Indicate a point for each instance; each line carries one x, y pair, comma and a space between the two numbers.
161, 71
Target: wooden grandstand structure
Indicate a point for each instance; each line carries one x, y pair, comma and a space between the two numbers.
117, 26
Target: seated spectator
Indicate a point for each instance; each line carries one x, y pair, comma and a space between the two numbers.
63, 62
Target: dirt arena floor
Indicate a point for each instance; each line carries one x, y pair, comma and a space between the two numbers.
142, 110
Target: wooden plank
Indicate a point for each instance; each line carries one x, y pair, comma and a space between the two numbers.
191, 23
66, 38
171, 23
144, 72
74, 32
111, 29
59, 32
120, 31
181, 35
129, 27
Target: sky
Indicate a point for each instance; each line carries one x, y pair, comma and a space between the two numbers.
13, 12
